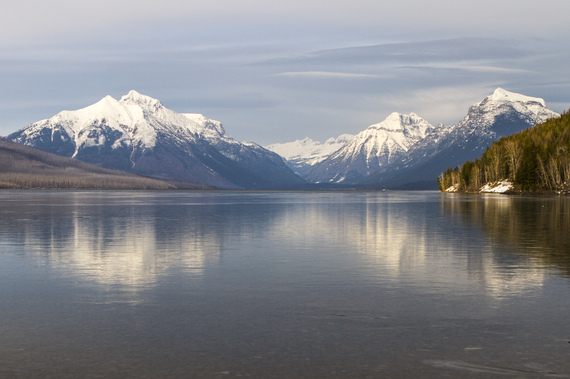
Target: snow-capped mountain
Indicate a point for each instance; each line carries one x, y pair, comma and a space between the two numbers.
378, 145
302, 154
138, 134
501, 114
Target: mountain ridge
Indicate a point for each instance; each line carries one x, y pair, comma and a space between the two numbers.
501, 113
377, 145
138, 134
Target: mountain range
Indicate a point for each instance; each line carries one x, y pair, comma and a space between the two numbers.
139, 135
406, 152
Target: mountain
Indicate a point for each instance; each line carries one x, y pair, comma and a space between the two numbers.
536, 159
379, 145
138, 134
25, 167
500, 114
300, 155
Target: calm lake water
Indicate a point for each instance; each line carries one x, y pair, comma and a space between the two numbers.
283, 285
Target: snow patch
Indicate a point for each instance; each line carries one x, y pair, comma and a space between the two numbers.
453, 188
502, 186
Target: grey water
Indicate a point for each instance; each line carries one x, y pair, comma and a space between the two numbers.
283, 285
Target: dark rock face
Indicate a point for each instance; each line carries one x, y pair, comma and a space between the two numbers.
53, 140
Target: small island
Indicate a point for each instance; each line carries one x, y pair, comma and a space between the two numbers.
534, 160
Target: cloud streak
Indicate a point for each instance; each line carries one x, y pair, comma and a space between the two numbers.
329, 75
472, 68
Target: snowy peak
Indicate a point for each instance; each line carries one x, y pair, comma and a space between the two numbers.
408, 126
369, 150
412, 126
393, 122
105, 106
135, 98
503, 113
397, 121
504, 95
138, 134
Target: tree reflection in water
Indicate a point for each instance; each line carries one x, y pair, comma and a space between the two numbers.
536, 226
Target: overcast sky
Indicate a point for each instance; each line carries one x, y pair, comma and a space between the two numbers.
280, 71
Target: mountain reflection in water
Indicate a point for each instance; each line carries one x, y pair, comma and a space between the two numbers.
277, 284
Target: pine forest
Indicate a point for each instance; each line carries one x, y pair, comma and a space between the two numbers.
534, 160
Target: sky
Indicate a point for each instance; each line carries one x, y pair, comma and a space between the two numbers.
280, 71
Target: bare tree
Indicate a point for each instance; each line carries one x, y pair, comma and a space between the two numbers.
514, 153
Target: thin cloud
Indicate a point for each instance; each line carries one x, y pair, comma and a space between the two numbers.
473, 68
328, 75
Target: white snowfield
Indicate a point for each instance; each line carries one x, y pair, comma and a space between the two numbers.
138, 117
502, 186
392, 136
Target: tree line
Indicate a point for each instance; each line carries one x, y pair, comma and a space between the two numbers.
536, 159
25, 167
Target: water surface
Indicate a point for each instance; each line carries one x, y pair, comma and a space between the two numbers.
281, 285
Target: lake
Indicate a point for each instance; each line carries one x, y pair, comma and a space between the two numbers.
283, 285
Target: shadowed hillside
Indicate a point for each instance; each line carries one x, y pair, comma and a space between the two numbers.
25, 167
536, 159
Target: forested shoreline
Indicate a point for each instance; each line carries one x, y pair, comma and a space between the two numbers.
534, 160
